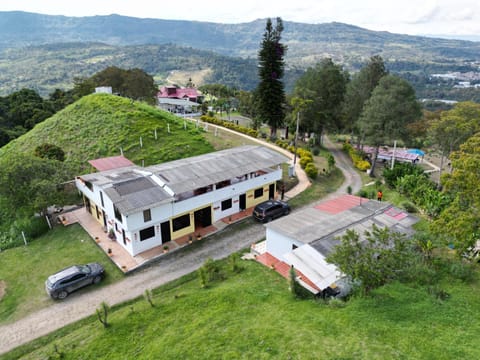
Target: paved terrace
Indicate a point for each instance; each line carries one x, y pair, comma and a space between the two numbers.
122, 258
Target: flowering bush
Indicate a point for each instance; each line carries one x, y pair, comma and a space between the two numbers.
356, 157
311, 170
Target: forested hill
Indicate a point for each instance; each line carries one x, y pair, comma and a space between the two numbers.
47, 67
305, 41
44, 52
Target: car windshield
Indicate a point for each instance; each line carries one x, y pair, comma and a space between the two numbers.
85, 269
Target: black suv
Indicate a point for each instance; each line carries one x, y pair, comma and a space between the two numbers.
269, 210
65, 281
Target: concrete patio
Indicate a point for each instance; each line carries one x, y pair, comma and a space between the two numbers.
120, 257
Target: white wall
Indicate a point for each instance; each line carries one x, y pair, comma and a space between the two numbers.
133, 223
278, 244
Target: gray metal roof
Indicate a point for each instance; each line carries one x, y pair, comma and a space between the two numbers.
134, 188
199, 171
321, 229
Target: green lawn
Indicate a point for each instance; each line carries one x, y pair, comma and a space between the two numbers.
25, 269
251, 315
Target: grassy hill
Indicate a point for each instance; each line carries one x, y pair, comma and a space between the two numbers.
251, 315
99, 125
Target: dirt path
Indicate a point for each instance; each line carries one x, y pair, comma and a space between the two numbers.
167, 269
352, 178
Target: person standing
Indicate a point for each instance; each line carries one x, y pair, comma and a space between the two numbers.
379, 195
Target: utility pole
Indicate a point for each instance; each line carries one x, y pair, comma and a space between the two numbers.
295, 143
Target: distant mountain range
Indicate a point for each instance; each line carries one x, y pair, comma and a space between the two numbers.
27, 36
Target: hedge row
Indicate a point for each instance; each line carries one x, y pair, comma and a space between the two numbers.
306, 158
356, 157
229, 125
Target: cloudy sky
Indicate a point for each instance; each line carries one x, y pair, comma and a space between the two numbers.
457, 18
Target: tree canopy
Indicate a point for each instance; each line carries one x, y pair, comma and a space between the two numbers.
454, 127
372, 258
133, 83
324, 86
29, 183
459, 223
270, 91
360, 88
387, 113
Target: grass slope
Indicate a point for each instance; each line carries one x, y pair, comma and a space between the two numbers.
251, 315
25, 269
98, 125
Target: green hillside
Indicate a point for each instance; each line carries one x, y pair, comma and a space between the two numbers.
99, 125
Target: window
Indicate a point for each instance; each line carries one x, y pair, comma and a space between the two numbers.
147, 233
258, 193
101, 199
118, 215
226, 204
147, 215
181, 222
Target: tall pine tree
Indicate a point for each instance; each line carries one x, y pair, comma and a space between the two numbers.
270, 91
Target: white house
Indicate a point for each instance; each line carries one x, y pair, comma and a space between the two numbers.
305, 238
148, 206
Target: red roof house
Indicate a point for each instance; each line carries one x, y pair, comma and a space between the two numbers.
172, 92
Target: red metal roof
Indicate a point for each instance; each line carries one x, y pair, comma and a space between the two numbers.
178, 93
341, 203
108, 163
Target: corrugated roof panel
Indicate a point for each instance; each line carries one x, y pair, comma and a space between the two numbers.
313, 265
132, 189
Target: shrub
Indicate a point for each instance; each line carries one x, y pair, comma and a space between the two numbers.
209, 272
362, 165
50, 151
462, 271
316, 150
400, 170
311, 171
102, 313
304, 161
357, 157
32, 227
409, 207
363, 193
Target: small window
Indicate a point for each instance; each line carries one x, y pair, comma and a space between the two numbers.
101, 199
89, 185
147, 215
147, 233
181, 222
117, 213
77, 277
226, 204
258, 193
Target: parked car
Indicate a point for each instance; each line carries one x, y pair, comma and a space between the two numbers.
62, 283
271, 209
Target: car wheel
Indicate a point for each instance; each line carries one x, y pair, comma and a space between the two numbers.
269, 219
97, 279
286, 212
62, 294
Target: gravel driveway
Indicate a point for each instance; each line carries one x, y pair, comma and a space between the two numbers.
168, 268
